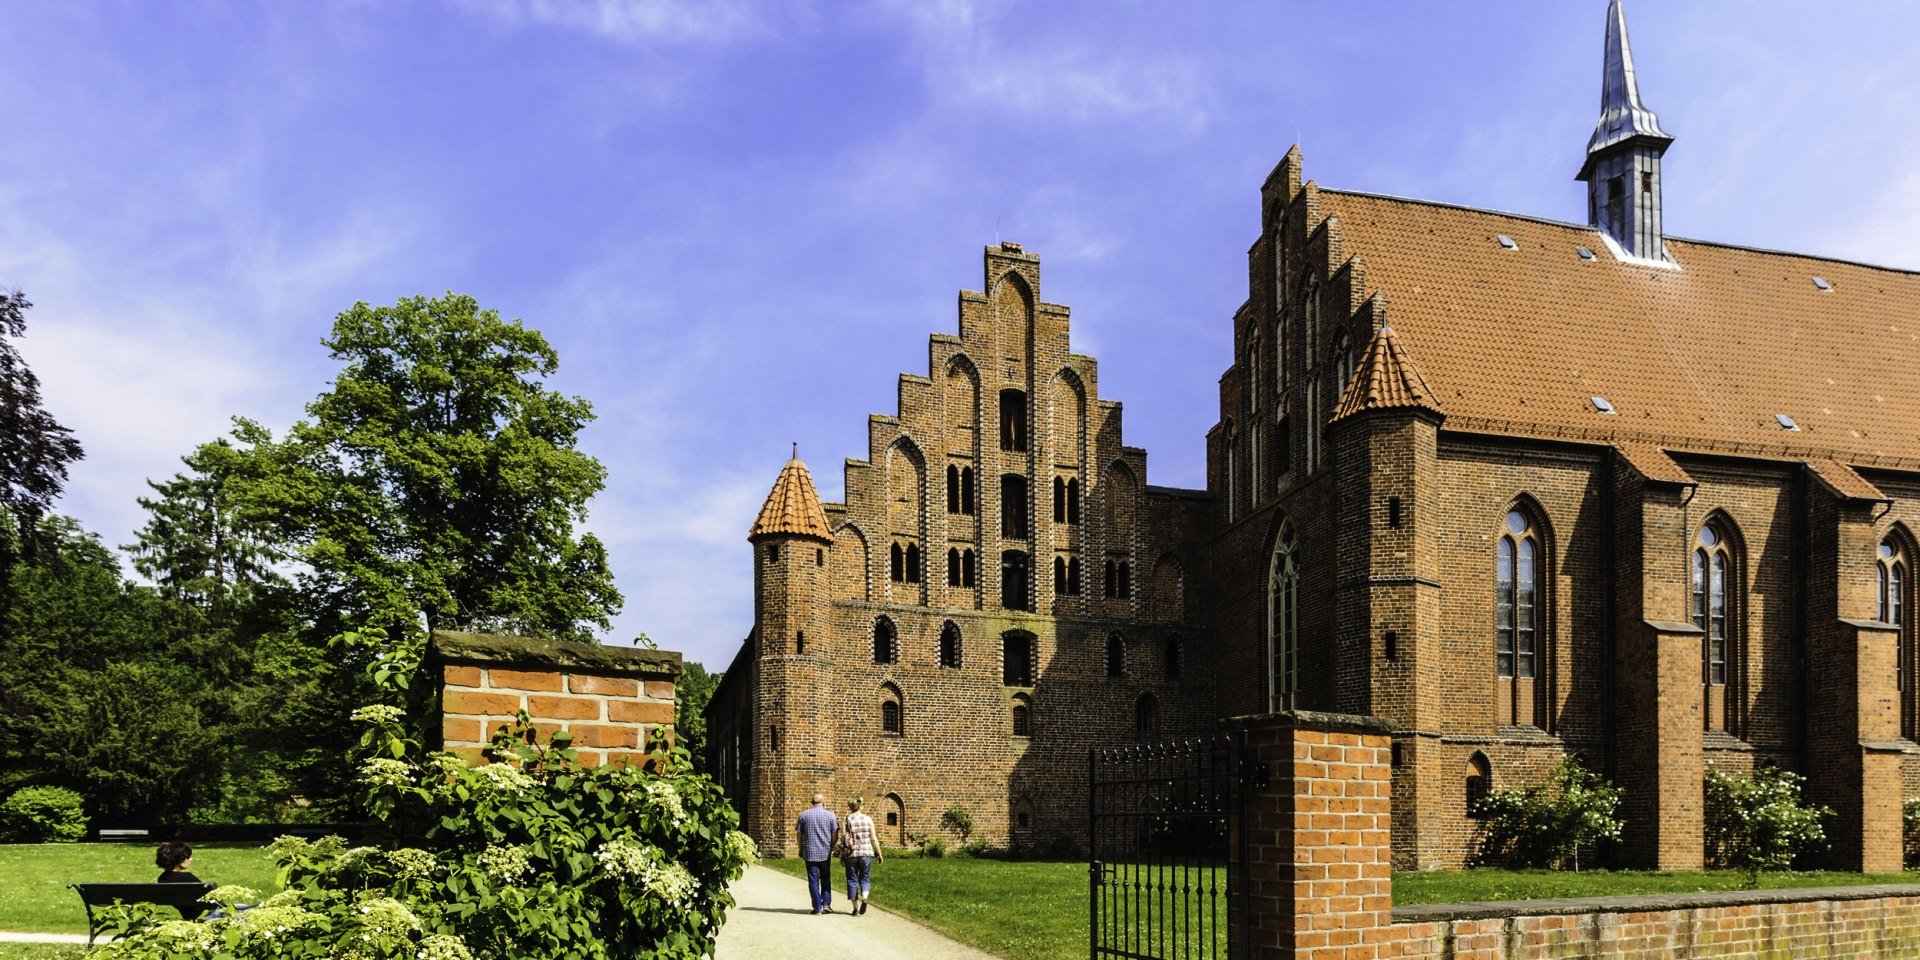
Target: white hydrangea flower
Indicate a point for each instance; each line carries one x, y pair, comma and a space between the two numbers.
504, 778
386, 771
644, 867
227, 896
442, 946
510, 864
663, 794
378, 713
412, 862
742, 847
387, 917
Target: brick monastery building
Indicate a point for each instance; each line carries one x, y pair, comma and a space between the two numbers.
1524, 488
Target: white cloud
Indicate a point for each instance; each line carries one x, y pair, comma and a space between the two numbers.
636, 21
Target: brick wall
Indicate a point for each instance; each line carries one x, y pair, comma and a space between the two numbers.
1837, 924
1320, 887
611, 699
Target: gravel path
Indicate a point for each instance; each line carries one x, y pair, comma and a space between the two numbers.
770, 920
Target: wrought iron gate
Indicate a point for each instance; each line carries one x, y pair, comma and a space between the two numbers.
1163, 819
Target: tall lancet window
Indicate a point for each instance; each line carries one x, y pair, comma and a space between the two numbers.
1516, 618
1283, 622
1892, 571
1713, 600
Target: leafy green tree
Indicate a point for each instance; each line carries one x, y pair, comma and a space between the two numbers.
1549, 824
198, 544
691, 694
34, 448
436, 483
1759, 822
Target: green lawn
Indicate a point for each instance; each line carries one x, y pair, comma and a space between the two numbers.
1471, 886
33, 878
40, 951
1037, 909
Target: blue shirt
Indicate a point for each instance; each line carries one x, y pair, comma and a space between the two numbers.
816, 826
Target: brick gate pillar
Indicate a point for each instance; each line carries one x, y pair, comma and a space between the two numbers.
1317, 840
611, 699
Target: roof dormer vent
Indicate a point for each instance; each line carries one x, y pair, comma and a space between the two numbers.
1821, 284
1786, 422
1586, 253
1602, 404
1507, 242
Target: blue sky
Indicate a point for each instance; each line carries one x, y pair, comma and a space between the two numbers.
738, 221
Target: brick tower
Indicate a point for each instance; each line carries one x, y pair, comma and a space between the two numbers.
792, 754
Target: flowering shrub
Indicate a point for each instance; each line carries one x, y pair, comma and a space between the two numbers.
1549, 824
528, 857
1759, 822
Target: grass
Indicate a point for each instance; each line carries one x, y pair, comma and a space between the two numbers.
1471, 886
33, 878
41, 951
1037, 909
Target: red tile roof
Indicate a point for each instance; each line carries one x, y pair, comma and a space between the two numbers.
792, 507
1385, 379
1696, 358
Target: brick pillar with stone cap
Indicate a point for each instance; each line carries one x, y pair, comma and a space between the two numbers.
1318, 840
611, 699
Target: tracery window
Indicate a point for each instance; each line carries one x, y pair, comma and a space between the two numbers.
1283, 622
1713, 598
1516, 611
1891, 573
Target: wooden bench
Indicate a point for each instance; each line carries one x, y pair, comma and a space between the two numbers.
184, 897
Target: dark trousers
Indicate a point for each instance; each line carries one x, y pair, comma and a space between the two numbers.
820, 883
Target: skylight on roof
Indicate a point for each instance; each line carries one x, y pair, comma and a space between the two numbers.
1602, 404
1507, 242
1822, 285
1786, 422
1585, 253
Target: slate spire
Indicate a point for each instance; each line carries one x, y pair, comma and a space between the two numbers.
1622, 167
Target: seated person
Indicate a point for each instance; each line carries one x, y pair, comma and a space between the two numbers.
174, 858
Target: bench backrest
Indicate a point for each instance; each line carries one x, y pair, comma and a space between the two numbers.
181, 895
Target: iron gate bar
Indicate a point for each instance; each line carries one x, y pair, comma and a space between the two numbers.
1162, 825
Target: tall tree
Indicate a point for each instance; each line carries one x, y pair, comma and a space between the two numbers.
436, 483
199, 544
34, 448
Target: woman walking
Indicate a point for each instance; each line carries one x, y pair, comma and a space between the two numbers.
860, 851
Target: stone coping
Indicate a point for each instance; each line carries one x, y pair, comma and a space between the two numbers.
449, 646
1311, 720
1643, 903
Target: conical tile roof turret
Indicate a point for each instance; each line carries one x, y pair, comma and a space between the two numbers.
793, 506
1386, 380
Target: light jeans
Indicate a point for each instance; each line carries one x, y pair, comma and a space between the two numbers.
859, 877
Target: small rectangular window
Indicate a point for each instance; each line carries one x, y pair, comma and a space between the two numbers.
1393, 513
1646, 181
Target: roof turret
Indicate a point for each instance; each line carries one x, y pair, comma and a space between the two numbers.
793, 506
1386, 379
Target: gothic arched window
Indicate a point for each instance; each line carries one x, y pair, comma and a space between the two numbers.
1116, 656
1714, 597
886, 641
890, 719
1516, 595
1891, 572
1283, 622
1146, 718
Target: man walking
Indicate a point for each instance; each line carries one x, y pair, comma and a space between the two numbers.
815, 830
